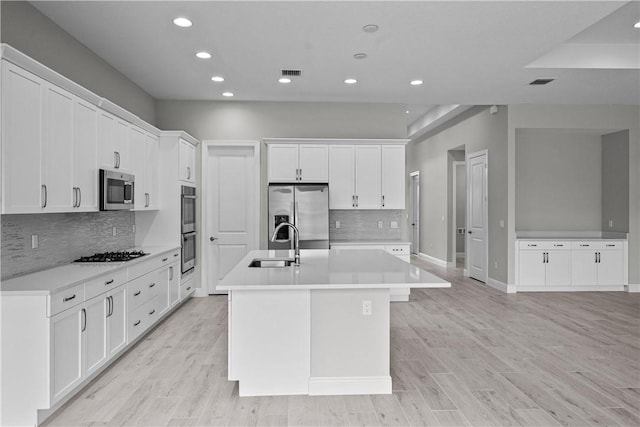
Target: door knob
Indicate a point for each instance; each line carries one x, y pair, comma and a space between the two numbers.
213, 238
469, 231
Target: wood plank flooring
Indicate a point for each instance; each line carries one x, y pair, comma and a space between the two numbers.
465, 356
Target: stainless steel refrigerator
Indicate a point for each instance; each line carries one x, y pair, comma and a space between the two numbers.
306, 207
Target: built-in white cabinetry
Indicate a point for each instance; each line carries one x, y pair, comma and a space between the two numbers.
144, 148
85, 155
570, 264
152, 166
366, 176
114, 142
187, 162
300, 163
66, 352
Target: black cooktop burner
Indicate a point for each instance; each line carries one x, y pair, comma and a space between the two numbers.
119, 256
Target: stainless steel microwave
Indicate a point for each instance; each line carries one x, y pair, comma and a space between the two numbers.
116, 190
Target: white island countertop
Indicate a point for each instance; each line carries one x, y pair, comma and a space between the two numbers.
330, 269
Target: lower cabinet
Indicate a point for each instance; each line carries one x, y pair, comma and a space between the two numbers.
66, 352
545, 264
598, 263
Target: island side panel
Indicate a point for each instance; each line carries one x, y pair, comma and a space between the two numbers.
349, 349
269, 341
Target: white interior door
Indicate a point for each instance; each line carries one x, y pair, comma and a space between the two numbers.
477, 213
231, 208
415, 212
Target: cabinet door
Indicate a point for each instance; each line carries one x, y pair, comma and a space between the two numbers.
57, 155
610, 268
368, 194
583, 267
152, 158
85, 155
174, 283
106, 138
313, 163
121, 145
341, 176
283, 162
66, 352
137, 164
393, 179
558, 268
95, 334
22, 123
531, 268
187, 162
117, 323
162, 292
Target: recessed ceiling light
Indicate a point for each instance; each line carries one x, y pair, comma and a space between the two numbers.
227, 94
284, 80
203, 55
636, 25
360, 55
416, 82
407, 111
370, 28
217, 79
351, 81
182, 22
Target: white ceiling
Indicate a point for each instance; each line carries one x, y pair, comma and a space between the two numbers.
467, 52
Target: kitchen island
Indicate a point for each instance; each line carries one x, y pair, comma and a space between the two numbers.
321, 328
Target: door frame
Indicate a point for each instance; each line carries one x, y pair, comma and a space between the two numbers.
468, 157
454, 216
207, 145
414, 202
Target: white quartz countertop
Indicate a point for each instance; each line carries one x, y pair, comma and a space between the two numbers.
368, 242
56, 279
330, 269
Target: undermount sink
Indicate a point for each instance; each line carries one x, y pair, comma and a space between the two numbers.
272, 262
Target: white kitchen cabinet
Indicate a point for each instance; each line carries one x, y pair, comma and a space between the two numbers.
543, 263
95, 348
162, 291
152, 165
174, 283
368, 177
393, 177
66, 352
22, 124
598, 263
298, 163
116, 321
113, 140
85, 156
143, 149
187, 162
342, 163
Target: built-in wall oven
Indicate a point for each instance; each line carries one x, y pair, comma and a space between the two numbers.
188, 228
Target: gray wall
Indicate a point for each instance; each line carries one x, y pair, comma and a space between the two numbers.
615, 181
62, 238
238, 120
25, 28
602, 118
477, 130
558, 180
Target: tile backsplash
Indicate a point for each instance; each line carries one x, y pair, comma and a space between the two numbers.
363, 225
62, 238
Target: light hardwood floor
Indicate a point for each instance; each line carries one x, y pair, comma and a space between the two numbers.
468, 355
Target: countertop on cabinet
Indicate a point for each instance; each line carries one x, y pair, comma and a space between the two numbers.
330, 269
52, 280
368, 242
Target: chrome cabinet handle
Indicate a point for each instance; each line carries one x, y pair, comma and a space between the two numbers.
108, 282
84, 320
108, 307
151, 312
75, 197
596, 255
383, 201
147, 197
152, 285
353, 201
79, 196
300, 174
136, 294
116, 157
44, 196
357, 204
170, 273
137, 323
189, 288
188, 172
69, 298
164, 259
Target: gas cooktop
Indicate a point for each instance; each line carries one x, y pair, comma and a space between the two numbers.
119, 256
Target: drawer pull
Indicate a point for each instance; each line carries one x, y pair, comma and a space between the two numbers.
151, 312
69, 298
136, 294
164, 259
175, 255
584, 245
109, 282
610, 245
137, 323
152, 285
558, 246
531, 245
189, 288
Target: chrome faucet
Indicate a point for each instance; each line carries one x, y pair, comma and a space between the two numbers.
296, 239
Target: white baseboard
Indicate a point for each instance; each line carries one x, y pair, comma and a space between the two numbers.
569, 288
465, 272
201, 292
434, 260
496, 284
633, 288
326, 386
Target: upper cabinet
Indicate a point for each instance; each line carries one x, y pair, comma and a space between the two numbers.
187, 162
298, 163
143, 149
114, 142
366, 176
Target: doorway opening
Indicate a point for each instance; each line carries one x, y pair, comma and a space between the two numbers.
459, 212
414, 211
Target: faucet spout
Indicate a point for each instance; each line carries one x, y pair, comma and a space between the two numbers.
296, 239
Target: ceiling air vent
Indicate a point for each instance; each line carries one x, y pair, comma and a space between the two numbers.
538, 82
291, 73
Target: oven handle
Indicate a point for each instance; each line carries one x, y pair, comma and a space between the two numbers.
188, 197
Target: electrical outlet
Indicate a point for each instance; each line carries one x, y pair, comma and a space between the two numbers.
34, 241
394, 224
337, 224
133, 228
113, 231
502, 223
495, 264
366, 308
610, 223
379, 224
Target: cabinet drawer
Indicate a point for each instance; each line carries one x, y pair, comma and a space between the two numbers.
186, 289
398, 249
544, 244
141, 290
140, 319
153, 263
60, 301
597, 245
105, 283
